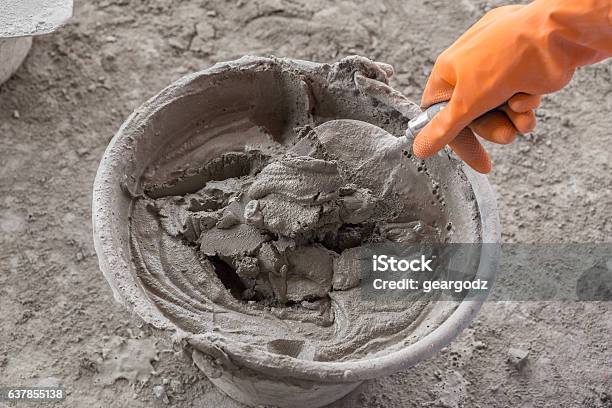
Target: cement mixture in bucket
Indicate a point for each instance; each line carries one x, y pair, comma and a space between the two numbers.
261, 243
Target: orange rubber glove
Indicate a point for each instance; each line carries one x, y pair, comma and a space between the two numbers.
494, 75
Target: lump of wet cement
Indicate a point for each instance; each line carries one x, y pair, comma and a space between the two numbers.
251, 241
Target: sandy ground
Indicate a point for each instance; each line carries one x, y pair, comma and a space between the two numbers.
58, 320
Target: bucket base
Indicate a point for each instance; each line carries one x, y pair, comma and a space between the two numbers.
12, 53
254, 389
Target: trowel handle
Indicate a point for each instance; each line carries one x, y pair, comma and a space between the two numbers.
422, 119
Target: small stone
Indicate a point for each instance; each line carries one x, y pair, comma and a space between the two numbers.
517, 357
524, 148
16, 114
160, 393
211, 13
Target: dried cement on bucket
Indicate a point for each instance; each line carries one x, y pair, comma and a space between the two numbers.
20, 20
249, 188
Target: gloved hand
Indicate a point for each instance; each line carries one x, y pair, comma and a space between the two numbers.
494, 75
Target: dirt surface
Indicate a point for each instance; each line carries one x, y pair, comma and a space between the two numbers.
58, 320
